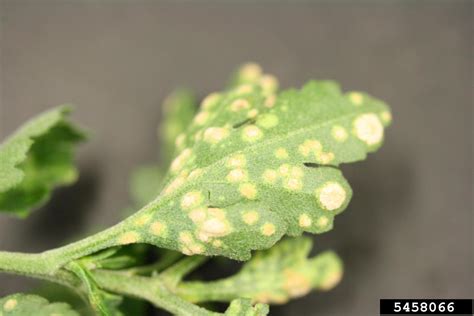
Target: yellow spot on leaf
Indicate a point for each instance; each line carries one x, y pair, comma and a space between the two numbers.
268, 229
211, 222
128, 238
339, 133
237, 161
10, 304
215, 227
322, 221
304, 220
331, 279
270, 176
180, 161
244, 89
310, 146
281, 153
269, 84
179, 142
179, 181
331, 196
186, 237
296, 172
368, 128
250, 71
284, 169
191, 199
293, 184
248, 190
356, 98
239, 104
196, 249
270, 101
143, 219
196, 173
158, 228
252, 113
325, 157
251, 133
190, 246
250, 217
210, 101
214, 135
197, 215
201, 118
237, 175
296, 284
386, 117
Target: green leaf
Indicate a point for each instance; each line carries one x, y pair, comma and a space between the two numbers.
35, 159
243, 307
27, 305
104, 303
254, 166
145, 184
272, 276
178, 111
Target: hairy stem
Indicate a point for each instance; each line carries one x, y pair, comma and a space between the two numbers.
214, 291
150, 289
48, 262
22, 263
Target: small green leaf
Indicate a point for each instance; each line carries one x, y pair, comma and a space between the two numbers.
243, 307
272, 276
28, 305
104, 303
35, 159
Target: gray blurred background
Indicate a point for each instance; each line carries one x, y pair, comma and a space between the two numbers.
408, 229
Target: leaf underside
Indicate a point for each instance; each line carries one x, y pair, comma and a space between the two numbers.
27, 305
35, 159
256, 165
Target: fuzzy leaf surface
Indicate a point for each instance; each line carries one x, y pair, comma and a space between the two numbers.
256, 165
244, 307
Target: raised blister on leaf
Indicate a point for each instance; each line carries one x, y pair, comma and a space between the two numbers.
239, 183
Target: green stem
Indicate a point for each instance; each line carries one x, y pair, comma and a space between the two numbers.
174, 274
164, 262
214, 291
150, 289
48, 262
22, 263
